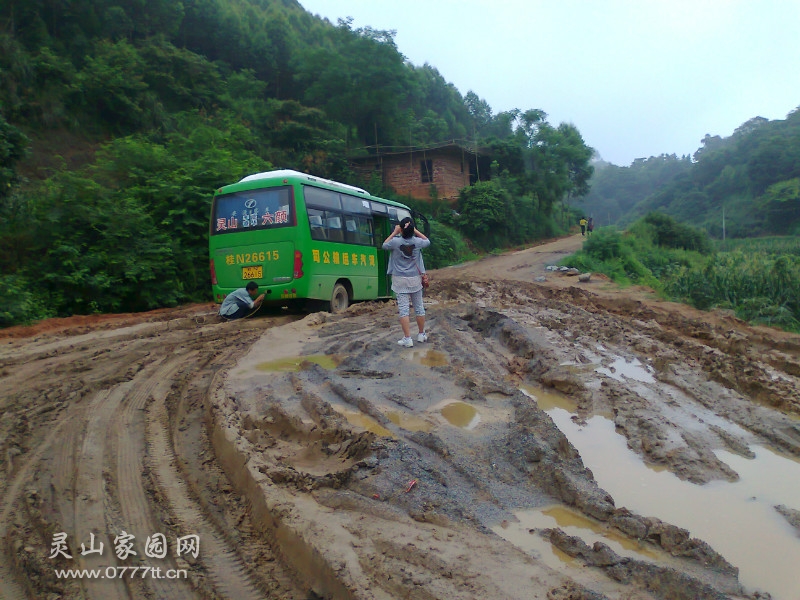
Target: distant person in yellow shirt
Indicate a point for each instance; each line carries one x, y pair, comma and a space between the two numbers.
583, 226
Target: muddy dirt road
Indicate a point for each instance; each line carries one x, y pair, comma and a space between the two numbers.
551, 440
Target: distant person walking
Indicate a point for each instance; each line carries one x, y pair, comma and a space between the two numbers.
239, 302
406, 268
590, 226
583, 225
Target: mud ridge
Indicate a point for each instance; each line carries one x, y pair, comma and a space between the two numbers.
301, 556
664, 583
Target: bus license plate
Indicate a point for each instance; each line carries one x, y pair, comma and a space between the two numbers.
253, 272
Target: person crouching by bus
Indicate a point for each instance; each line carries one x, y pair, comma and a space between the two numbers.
240, 302
406, 268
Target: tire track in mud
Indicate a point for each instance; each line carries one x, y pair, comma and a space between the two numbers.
65, 472
83, 451
188, 408
228, 573
9, 588
89, 493
129, 432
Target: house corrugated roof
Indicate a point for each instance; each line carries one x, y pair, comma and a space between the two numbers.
378, 151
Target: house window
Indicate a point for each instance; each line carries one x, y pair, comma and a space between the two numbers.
426, 170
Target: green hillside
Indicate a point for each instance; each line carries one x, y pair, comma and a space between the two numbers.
119, 118
754, 175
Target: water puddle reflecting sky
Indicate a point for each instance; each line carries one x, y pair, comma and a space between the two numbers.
738, 519
634, 369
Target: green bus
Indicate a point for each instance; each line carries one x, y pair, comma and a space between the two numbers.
301, 238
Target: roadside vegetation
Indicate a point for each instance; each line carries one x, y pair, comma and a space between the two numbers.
759, 279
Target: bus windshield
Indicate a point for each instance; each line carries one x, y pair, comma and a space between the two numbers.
254, 209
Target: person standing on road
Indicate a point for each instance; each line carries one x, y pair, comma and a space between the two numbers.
590, 226
583, 226
239, 302
406, 268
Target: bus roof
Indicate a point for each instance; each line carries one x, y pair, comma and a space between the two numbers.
299, 175
288, 173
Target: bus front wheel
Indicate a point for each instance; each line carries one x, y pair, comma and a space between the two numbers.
340, 299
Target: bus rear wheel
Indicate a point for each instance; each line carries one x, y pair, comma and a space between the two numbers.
340, 299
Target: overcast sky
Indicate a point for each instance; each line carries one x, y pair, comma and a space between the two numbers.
637, 77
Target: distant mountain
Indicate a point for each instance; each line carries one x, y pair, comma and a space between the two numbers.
754, 175
615, 191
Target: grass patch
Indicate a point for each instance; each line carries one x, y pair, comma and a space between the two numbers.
759, 279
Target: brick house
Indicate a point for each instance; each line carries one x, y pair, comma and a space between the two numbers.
447, 167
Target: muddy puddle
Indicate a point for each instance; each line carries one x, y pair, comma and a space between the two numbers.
737, 518
523, 533
460, 414
428, 358
409, 422
291, 364
548, 400
359, 419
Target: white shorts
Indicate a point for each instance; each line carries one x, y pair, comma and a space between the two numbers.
404, 300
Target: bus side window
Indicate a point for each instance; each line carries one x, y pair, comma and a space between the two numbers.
351, 230
334, 225
365, 234
317, 229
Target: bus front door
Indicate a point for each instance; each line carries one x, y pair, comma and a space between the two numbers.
383, 228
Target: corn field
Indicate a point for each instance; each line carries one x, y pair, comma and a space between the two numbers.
770, 245
762, 286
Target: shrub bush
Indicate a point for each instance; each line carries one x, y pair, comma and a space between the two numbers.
669, 233
21, 305
447, 247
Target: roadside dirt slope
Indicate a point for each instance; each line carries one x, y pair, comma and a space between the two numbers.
314, 458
